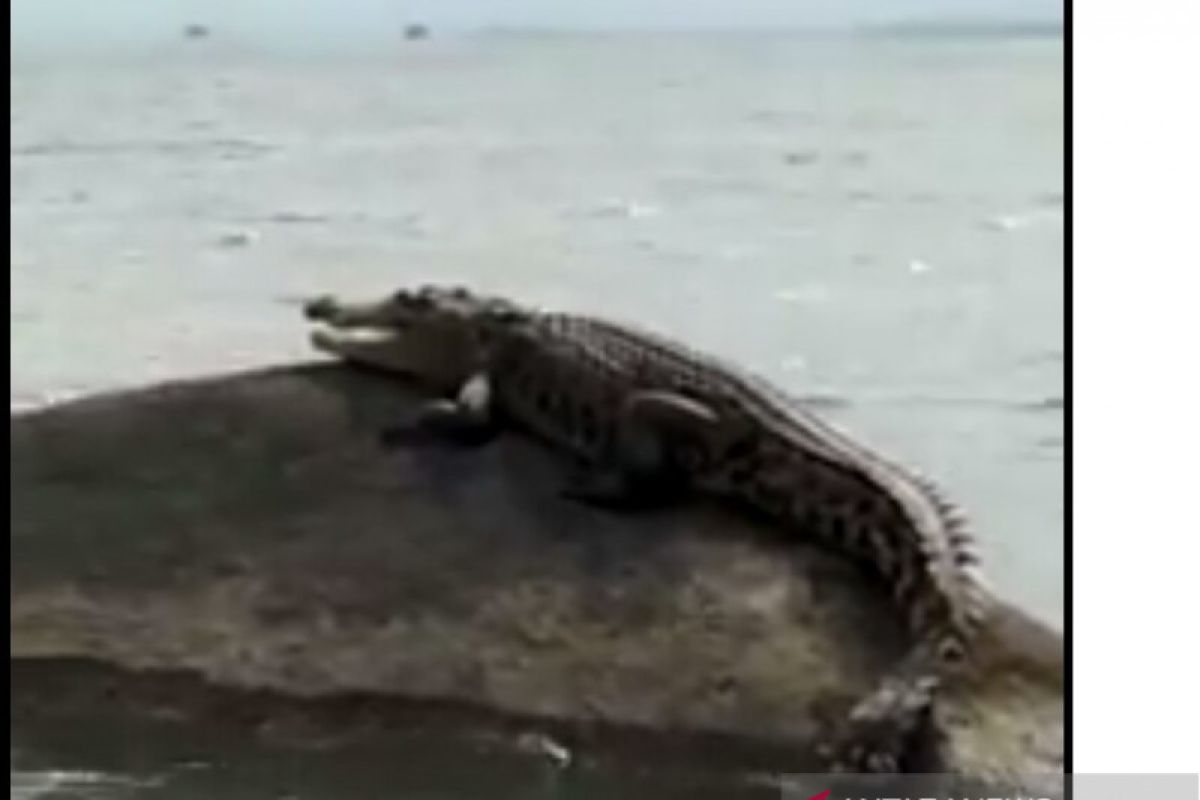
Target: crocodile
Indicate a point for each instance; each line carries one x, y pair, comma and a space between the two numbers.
646, 418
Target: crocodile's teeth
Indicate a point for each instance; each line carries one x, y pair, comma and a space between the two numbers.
326, 336
358, 343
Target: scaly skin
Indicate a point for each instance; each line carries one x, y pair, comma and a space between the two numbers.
650, 417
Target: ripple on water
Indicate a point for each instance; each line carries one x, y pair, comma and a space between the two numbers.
1053, 403
225, 148
1022, 220
37, 784
296, 218
800, 158
803, 294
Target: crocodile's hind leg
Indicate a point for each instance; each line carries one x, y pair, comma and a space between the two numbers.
644, 468
468, 419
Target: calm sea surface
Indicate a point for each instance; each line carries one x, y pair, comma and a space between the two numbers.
874, 223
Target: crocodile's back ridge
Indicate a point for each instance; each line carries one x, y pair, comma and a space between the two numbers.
942, 547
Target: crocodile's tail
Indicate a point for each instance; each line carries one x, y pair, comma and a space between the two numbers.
947, 602
884, 728
969, 602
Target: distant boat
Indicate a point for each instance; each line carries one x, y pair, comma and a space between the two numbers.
416, 31
196, 31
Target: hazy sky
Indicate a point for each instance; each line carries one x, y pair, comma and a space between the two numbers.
58, 22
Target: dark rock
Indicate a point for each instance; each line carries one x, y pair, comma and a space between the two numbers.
251, 531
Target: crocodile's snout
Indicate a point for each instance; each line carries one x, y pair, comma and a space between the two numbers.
319, 308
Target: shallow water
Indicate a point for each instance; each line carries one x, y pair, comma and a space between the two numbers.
875, 224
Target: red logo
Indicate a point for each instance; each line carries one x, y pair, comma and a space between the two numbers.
822, 796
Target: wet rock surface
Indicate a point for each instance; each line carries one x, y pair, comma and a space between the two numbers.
252, 533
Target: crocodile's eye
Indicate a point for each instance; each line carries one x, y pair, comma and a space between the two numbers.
951, 651
420, 300
504, 313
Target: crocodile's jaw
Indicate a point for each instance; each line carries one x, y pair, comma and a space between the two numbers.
377, 336
375, 348
441, 368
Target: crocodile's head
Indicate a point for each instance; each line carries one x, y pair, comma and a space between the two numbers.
438, 335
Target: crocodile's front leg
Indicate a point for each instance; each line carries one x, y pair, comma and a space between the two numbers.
469, 418
645, 466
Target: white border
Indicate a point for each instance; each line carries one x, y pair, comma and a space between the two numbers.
1136, 385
